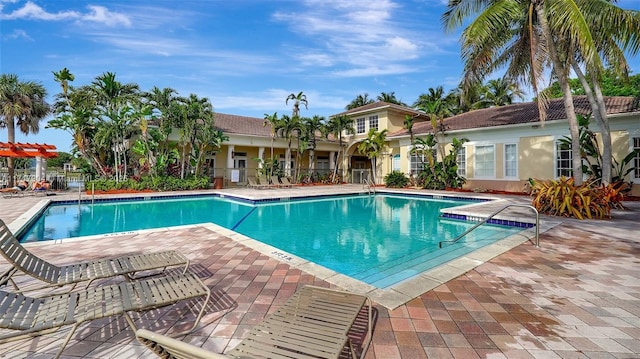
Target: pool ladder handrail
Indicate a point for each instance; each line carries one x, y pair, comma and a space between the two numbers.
537, 244
371, 188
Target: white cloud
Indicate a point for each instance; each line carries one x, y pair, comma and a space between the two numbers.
353, 34
18, 34
96, 14
102, 15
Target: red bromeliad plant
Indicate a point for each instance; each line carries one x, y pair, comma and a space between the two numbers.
563, 198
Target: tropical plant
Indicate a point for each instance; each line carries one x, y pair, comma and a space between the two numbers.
288, 128
338, 126
408, 125
311, 128
75, 112
360, 100
22, 104
298, 99
372, 147
563, 198
390, 97
115, 104
534, 34
396, 179
438, 174
500, 92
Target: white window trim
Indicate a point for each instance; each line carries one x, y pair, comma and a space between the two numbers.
632, 177
556, 141
475, 162
504, 164
464, 165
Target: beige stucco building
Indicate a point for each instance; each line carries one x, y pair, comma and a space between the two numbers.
506, 145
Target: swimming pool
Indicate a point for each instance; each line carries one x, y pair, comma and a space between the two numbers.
380, 240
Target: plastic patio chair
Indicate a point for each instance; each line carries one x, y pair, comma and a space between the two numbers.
265, 183
29, 317
313, 323
23, 260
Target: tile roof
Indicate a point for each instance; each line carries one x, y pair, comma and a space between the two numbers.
520, 113
234, 124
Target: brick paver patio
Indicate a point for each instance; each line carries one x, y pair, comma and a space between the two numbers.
578, 296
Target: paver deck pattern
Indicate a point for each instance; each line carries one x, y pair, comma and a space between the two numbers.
578, 296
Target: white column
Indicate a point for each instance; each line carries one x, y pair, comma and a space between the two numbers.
230, 156
332, 160
38, 168
261, 156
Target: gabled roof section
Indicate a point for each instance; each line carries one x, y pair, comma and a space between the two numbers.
522, 113
378, 106
242, 125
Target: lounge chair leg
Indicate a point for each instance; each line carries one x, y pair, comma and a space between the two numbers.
67, 339
200, 314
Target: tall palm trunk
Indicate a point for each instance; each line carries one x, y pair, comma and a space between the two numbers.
599, 111
563, 80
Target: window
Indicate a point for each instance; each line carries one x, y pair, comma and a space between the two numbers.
396, 162
636, 160
360, 125
373, 122
417, 163
322, 164
511, 160
564, 159
485, 161
461, 160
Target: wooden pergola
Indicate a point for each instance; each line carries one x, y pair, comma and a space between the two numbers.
27, 150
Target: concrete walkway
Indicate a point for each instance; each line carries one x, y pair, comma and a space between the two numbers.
577, 296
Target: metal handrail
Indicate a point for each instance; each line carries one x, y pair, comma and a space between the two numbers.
370, 186
496, 213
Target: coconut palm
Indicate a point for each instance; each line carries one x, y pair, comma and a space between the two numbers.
390, 97
22, 104
526, 40
272, 121
408, 125
338, 126
500, 92
372, 147
360, 100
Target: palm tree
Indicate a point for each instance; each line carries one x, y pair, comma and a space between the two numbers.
433, 94
525, 41
436, 111
372, 147
286, 128
115, 102
272, 121
408, 125
360, 100
337, 126
298, 99
22, 104
312, 126
500, 92
390, 97
75, 111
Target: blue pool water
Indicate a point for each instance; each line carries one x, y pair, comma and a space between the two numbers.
380, 240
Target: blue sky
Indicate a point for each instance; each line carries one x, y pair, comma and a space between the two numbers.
246, 56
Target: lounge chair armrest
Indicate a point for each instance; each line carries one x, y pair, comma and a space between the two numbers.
161, 344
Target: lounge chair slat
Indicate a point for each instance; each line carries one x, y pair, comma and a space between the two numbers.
23, 260
28, 316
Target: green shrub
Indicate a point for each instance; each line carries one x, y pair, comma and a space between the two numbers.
396, 179
149, 183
